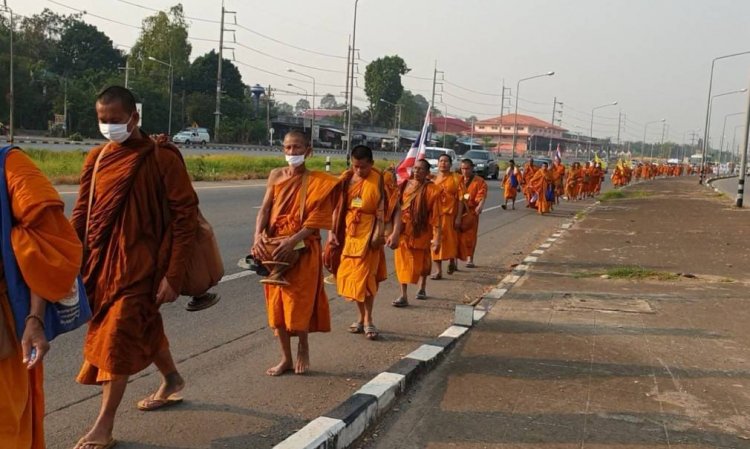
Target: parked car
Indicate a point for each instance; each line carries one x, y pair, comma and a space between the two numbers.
433, 153
485, 163
192, 135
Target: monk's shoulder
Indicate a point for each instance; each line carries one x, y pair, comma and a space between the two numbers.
275, 175
323, 179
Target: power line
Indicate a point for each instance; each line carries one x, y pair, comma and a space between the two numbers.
471, 90
286, 60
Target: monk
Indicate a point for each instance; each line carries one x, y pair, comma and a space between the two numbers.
572, 182
302, 306
588, 187
597, 175
420, 231
136, 258
364, 208
528, 172
451, 210
541, 187
511, 183
475, 194
558, 178
618, 176
48, 254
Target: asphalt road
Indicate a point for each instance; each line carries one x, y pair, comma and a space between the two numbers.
729, 187
223, 352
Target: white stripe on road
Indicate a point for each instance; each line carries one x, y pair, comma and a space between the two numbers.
498, 207
244, 186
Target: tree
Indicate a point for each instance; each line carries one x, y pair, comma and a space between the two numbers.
383, 80
413, 110
328, 102
83, 48
282, 109
201, 76
164, 37
302, 105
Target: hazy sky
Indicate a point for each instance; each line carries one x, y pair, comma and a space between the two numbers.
653, 56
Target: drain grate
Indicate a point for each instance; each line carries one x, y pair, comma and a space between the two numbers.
574, 302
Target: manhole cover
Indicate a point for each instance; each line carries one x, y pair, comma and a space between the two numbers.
611, 305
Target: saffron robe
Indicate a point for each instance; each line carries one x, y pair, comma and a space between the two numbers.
558, 178
301, 306
509, 191
474, 193
131, 246
412, 257
49, 256
538, 186
451, 192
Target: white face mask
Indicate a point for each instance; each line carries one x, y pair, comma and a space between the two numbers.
116, 132
295, 161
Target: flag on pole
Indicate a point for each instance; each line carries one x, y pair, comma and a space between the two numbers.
558, 153
417, 151
596, 158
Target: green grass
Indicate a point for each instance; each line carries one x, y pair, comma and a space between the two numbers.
622, 194
64, 167
629, 273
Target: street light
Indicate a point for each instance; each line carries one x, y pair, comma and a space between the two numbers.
707, 133
515, 118
398, 122
645, 127
11, 94
723, 130
708, 105
171, 85
312, 123
591, 129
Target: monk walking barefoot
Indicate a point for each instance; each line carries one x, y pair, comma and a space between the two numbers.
475, 194
297, 205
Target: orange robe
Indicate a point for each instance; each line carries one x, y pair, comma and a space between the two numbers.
572, 183
451, 192
558, 178
49, 256
419, 206
538, 186
475, 192
132, 244
301, 306
362, 266
528, 173
509, 191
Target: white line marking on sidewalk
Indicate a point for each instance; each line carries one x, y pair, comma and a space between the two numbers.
537, 252
530, 259
425, 353
545, 245
231, 277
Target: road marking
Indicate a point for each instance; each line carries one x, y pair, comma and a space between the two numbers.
498, 207
231, 277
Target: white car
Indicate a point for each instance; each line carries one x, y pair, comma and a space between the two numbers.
192, 135
432, 154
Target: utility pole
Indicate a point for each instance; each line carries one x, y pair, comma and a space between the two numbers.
346, 95
619, 124
350, 81
11, 94
554, 113
217, 120
127, 70
743, 160
269, 94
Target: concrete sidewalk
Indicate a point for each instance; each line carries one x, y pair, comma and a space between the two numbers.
583, 353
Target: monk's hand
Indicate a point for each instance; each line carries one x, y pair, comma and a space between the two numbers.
377, 241
478, 210
332, 239
392, 240
284, 250
435, 245
34, 344
165, 293
259, 251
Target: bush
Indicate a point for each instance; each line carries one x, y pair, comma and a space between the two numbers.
75, 137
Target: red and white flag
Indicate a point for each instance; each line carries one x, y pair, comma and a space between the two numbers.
417, 151
558, 154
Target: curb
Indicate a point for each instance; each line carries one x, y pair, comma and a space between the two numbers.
709, 183
343, 425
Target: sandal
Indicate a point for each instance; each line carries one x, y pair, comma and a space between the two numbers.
95, 444
452, 268
356, 328
436, 276
470, 265
421, 294
400, 302
150, 403
371, 332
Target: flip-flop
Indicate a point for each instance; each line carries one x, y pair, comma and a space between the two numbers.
421, 294
436, 277
470, 265
150, 403
95, 444
400, 302
371, 332
356, 328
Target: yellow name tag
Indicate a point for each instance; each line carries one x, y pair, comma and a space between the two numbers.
357, 202
299, 245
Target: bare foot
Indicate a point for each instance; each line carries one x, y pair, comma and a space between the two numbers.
303, 359
171, 384
281, 368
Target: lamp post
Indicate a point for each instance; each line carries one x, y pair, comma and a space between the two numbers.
515, 115
11, 93
723, 130
708, 104
591, 129
312, 122
708, 125
398, 122
305, 91
645, 127
171, 85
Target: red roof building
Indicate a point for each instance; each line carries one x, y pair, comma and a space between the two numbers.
450, 125
500, 131
323, 113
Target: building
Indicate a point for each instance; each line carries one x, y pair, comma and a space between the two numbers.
450, 125
533, 134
